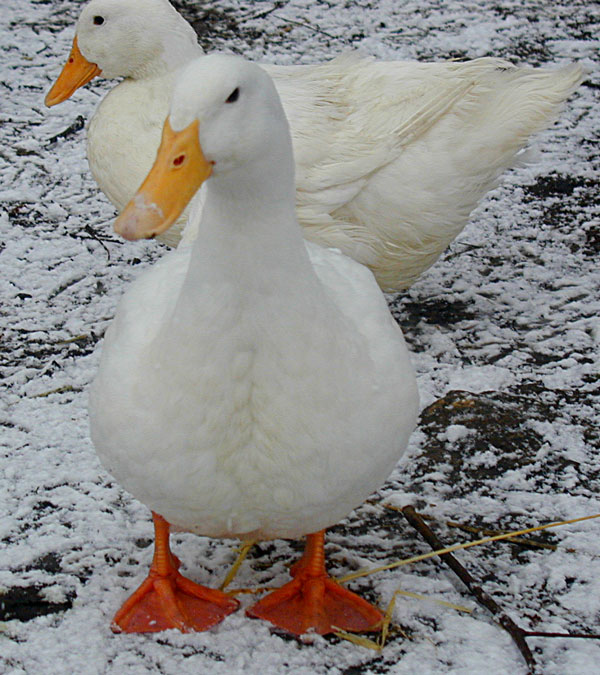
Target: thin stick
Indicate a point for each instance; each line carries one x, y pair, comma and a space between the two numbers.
516, 632
305, 24
94, 235
540, 633
71, 130
264, 13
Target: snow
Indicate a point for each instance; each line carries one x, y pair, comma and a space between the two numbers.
509, 318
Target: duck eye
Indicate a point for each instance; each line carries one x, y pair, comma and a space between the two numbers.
233, 97
98, 20
178, 161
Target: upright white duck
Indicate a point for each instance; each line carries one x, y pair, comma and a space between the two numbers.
252, 385
391, 157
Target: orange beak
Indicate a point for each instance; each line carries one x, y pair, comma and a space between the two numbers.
76, 72
179, 170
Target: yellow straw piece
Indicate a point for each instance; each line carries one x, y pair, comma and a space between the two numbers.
250, 591
58, 390
458, 547
242, 553
458, 608
77, 338
358, 640
385, 628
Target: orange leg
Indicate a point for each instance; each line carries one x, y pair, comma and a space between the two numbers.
314, 601
166, 599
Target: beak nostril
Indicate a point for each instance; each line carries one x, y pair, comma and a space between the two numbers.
178, 161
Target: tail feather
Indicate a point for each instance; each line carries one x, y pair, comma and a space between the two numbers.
528, 102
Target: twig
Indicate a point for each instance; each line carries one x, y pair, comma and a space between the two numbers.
540, 633
517, 633
94, 235
71, 130
468, 248
305, 24
263, 13
63, 288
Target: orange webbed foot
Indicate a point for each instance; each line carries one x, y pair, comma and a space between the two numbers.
317, 604
172, 601
167, 599
313, 601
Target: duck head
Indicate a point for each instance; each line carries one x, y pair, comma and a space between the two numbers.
124, 38
226, 122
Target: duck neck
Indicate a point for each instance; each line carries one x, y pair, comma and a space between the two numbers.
179, 49
249, 240
178, 45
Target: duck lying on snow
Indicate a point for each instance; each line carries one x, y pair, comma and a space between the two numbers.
391, 157
252, 385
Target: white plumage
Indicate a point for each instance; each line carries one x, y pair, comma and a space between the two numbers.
391, 157
251, 385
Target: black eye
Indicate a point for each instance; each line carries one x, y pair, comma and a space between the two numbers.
233, 97
98, 20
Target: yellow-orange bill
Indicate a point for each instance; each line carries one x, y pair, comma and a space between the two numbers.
179, 170
76, 72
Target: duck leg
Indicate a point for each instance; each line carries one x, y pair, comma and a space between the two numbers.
314, 601
166, 599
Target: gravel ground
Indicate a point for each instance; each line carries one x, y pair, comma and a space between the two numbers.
505, 335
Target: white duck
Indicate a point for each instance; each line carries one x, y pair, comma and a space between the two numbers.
391, 157
252, 385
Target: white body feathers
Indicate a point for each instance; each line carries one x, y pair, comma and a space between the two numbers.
391, 157
252, 385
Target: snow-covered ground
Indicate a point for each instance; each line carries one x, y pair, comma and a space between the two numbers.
505, 331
